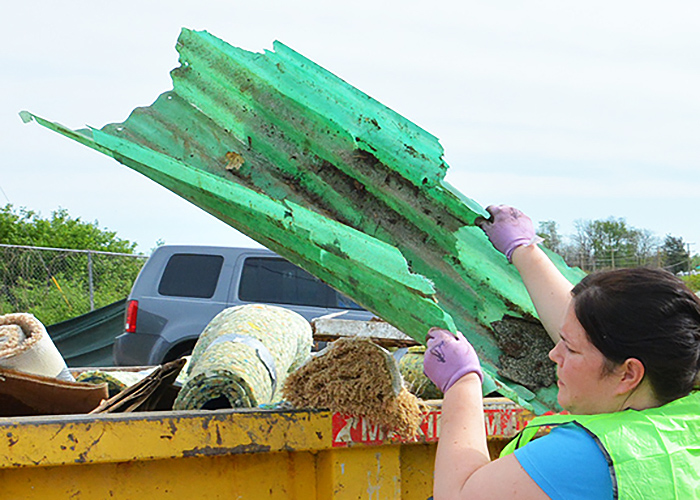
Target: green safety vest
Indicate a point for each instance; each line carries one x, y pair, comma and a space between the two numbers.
653, 453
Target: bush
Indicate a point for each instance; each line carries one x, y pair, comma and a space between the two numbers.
54, 285
693, 281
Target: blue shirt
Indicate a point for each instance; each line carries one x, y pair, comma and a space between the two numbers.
567, 464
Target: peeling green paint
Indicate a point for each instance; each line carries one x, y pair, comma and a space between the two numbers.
324, 175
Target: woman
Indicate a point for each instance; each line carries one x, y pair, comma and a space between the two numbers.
627, 349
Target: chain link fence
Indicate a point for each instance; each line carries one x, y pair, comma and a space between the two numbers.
58, 284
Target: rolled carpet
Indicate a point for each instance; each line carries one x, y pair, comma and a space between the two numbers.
243, 356
25, 346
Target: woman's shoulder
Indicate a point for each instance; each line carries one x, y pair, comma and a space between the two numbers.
567, 463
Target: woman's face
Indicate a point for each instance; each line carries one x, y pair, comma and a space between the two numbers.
583, 386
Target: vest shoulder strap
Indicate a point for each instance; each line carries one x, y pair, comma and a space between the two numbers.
533, 427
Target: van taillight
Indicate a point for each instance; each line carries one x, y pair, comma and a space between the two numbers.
131, 310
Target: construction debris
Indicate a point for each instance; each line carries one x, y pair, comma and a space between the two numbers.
329, 328
26, 394
116, 380
155, 391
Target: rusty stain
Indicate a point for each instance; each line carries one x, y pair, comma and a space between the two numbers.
373, 121
212, 451
234, 161
82, 458
173, 427
11, 439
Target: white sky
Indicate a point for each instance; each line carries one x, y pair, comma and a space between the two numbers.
566, 111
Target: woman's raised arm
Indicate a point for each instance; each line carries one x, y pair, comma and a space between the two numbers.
513, 234
549, 290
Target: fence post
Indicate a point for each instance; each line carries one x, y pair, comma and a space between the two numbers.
92, 292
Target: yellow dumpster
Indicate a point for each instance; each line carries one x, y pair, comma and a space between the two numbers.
226, 454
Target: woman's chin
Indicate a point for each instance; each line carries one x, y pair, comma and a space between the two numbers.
561, 399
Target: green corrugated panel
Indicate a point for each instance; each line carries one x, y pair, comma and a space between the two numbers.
324, 175
88, 340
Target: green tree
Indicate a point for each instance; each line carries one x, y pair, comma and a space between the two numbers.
55, 286
548, 230
26, 227
611, 243
646, 244
675, 256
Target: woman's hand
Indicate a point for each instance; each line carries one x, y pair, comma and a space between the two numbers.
462, 465
448, 358
512, 233
508, 228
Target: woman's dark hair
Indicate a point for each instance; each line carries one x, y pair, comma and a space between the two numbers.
647, 314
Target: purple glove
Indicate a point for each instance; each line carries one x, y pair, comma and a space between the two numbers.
448, 358
508, 228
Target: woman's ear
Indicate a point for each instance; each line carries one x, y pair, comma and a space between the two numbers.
631, 373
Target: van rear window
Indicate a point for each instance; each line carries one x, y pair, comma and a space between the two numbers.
281, 282
191, 275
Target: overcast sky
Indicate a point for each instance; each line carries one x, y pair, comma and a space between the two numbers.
566, 111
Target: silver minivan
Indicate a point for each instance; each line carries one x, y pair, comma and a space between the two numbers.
181, 288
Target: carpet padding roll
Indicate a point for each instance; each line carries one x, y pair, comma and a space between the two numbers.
411, 367
243, 357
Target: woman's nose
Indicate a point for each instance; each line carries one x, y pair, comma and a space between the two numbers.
554, 352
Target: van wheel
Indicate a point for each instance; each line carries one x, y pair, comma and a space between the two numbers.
180, 350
